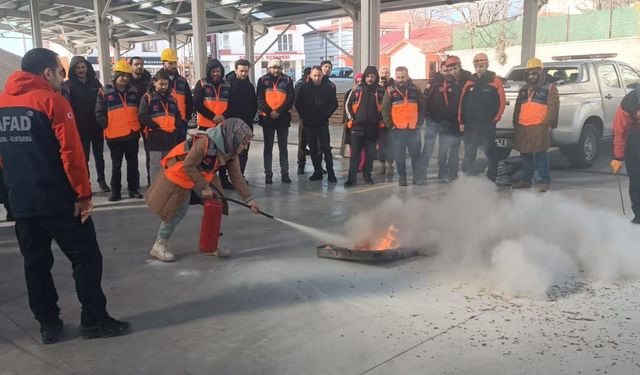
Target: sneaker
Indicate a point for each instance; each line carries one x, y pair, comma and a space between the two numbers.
114, 197
285, 178
369, 180
636, 220
316, 177
521, 185
135, 194
104, 187
301, 169
331, 176
109, 327
544, 188
268, 180
50, 332
226, 184
160, 251
403, 181
223, 252
349, 184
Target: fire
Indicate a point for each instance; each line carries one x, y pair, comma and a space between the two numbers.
388, 241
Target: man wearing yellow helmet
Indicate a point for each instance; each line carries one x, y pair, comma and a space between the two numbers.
117, 113
535, 114
180, 89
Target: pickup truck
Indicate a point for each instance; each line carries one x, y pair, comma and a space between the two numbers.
342, 78
590, 92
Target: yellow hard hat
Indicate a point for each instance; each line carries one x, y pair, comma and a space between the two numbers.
169, 55
534, 63
122, 66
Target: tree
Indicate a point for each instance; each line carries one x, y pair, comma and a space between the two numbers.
587, 5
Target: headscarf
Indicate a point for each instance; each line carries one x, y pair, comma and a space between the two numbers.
227, 136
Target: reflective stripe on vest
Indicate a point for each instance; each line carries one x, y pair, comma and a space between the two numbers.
274, 95
534, 110
122, 112
357, 92
176, 174
404, 107
179, 93
160, 112
217, 101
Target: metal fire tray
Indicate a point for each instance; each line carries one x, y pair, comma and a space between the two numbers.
336, 252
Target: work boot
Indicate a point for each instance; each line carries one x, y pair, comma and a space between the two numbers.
636, 220
383, 170
108, 327
521, 185
285, 178
331, 176
403, 180
389, 169
104, 187
368, 180
349, 184
316, 176
268, 179
543, 188
114, 196
301, 169
160, 251
135, 194
50, 331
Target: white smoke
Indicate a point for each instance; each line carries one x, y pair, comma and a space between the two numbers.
522, 243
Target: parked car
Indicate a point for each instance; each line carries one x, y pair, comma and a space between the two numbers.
590, 89
343, 79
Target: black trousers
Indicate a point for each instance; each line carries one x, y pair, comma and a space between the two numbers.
319, 141
357, 144
93, 140
270, 133
474, 136
78, 242
385, 146
124, 149
632, 163
302, 145
403, 141
147, 159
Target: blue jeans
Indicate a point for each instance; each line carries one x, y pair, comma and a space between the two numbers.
541, 162
404, 140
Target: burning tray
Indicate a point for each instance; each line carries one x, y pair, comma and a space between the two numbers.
336, 252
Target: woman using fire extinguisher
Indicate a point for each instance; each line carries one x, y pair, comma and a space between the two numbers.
191, 166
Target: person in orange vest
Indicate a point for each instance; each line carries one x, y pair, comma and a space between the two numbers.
46, 176
626, 146
211, 102
180, 89
364, 106
276, 96
192, 166
117, 113
402, 111
160, 118
534, 115
481, 107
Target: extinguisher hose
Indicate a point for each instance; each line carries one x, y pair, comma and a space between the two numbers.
247, 206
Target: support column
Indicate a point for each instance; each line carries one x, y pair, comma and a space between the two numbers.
357, 53
116, 50
198, 13
36, 31
249, 50
369, 32
529, 30
102, 33
173, 41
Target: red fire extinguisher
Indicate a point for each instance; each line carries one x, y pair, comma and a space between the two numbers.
210, 226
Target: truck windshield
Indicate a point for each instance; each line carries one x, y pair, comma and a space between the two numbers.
558, 75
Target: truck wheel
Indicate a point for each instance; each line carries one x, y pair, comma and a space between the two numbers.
504, 152
585, 153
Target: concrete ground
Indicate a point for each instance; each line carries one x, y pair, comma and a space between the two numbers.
276, 308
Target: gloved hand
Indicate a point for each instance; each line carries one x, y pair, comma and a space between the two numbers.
616, 165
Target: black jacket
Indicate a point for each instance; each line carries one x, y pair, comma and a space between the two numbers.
157, 139
243, 102
482, 100
443, 100
316, 104
143, 85
82, 96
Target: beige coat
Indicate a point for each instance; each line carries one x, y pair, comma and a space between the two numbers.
165, 198
537, 138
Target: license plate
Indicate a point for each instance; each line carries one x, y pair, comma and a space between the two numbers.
505, 142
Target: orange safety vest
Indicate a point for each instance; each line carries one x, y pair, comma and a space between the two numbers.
275, 93
176, 174
163, 114
122, 111
404, 107
217, 101
533, 106
357, 93
179, 93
